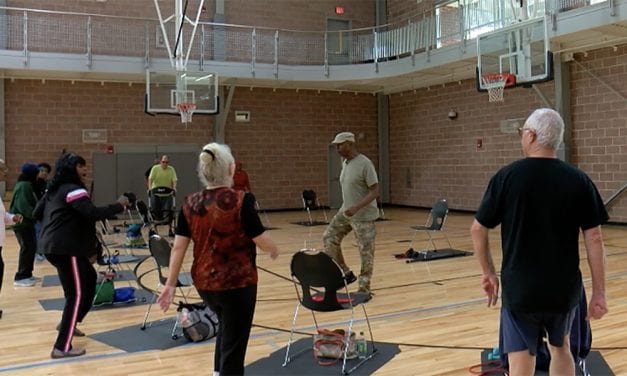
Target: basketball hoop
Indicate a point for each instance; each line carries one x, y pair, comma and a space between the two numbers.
495, 83
186, 110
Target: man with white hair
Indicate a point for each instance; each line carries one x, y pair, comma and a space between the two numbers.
360, 189
541, 204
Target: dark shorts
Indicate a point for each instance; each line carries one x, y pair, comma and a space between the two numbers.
524, 331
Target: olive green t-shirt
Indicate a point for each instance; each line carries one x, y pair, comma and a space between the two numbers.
162, 177
357, 175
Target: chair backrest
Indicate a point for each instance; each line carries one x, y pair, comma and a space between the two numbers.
438, 214
310, 200
160, 250
315, 269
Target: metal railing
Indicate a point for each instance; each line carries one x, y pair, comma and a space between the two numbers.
449, 23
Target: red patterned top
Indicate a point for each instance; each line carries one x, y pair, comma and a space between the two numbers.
224, 256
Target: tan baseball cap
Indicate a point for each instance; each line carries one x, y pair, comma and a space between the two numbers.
342, 137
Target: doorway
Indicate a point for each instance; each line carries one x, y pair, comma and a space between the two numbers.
338, 41
334, 168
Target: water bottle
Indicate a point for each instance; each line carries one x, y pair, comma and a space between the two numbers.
184, 319
362, 346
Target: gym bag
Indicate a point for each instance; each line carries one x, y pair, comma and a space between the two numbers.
198, 321
104, 292
331, 344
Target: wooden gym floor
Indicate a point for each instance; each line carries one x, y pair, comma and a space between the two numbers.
435, 310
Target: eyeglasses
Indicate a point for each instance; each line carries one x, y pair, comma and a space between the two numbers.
522, 130
164, 161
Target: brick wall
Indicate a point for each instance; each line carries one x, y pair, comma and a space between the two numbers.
284, 147
295, 15
600, 118
299, 15
43, 118
400, 10
301, 21
432, 156
128, 8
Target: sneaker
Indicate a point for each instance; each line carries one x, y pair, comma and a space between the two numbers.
40, 258
77, 331
35, 279
58, 354
366, 292
26, 282
350, 277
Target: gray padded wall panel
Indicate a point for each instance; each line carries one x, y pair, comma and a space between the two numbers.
125, 171
104, 183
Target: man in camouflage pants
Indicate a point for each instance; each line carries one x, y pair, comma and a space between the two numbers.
360, 189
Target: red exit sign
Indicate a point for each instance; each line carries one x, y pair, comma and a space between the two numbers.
339, 10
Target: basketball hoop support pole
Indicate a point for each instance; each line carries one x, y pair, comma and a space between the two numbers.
178, 59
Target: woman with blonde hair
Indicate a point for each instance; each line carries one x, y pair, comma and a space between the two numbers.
226, 231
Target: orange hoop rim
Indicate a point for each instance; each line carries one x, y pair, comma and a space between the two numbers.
492, 78
186, 109
186, 106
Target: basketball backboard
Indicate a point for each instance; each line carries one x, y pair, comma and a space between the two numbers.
166, 89
521, 49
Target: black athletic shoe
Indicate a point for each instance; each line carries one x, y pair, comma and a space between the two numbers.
367, 293
350, 277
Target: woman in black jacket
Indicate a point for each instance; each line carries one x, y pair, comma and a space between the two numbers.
68, 239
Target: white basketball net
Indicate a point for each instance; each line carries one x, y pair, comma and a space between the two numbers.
186, 110
495, 84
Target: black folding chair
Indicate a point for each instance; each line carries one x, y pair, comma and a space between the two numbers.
435, 223
312, 270
311, 202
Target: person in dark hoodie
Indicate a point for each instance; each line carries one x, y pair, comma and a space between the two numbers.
40, 186
23, 203
68, 239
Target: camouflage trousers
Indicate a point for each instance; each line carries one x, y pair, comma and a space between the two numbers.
365, 233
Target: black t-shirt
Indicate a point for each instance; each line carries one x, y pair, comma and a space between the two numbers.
541, 205
39, 187
147, 173
251, 222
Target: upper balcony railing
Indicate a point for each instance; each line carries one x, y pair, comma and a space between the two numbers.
449, 23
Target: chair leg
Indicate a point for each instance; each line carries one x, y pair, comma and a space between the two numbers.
289, 342
177, 321
175, 326
447, 240
154, 299
309, 215
324, 212
371, 354
431, 240
369, 327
